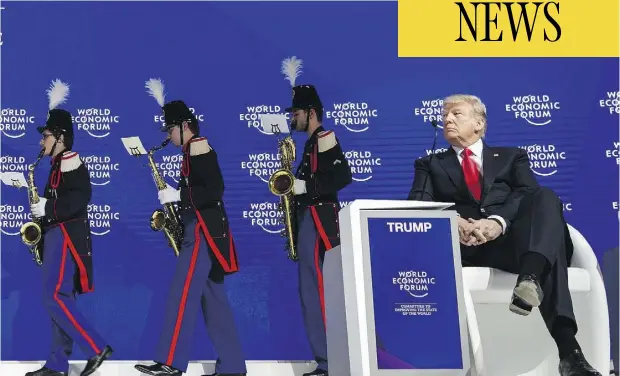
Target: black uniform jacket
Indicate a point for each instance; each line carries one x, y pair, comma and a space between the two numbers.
506, 178
68, 192
326, 171
202, 191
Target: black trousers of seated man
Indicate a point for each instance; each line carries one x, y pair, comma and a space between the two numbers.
537, 242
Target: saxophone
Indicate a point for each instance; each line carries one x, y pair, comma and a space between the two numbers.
281, 184
31, 232
166, 219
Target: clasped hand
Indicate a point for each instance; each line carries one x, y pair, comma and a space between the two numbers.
474, 232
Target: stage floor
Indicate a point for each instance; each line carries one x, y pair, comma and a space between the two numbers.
126, 368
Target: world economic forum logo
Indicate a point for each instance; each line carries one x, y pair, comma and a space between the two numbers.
534, 109
544, 159
262, 165
415, 283
430, 110
363, 163
13, 122
354, 116
12, 218
97, 122
101, 218
265, 215
251, 117
611, 102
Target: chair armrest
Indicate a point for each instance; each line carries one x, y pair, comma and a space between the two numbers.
583, 255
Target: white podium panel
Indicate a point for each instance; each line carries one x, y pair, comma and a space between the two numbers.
393, 292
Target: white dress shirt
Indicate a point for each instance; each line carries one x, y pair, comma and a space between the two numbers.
476, 156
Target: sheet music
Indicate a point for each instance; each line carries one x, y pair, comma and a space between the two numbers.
133, 145
14, 179
274, 123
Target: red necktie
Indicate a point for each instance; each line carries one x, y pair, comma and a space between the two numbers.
472, 176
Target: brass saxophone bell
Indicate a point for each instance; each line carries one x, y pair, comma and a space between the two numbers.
30, 233
281, 182
158, 220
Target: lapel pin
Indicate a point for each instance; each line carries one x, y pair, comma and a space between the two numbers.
496, 155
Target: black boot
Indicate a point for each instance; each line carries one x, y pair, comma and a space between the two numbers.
46, 372
576, 364
96, 361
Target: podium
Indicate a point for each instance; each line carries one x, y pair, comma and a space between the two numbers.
393, 291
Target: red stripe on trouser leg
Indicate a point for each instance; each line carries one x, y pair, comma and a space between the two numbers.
321, 230
233, 261
78, 260
62, 305
186, 286
319, 276
216, 251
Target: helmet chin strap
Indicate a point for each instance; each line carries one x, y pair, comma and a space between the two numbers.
181, 135
56, 138
307, 121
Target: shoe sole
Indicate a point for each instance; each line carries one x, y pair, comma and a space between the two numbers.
519, 307
143, 370
528, 293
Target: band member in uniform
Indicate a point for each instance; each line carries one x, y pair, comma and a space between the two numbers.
67, 249
206, 256
322, 172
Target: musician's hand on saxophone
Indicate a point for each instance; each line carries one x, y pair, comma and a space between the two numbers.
169, 195
38, 209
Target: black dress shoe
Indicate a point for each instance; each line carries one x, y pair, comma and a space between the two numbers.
158, 369
526, 295
46, 372
576, 365
317, 372
96, 361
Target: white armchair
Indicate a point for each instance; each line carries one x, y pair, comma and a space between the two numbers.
507, 344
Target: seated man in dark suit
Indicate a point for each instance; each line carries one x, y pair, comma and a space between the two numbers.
506, 221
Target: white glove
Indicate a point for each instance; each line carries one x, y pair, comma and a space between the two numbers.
169, 195
38, 209
299, 187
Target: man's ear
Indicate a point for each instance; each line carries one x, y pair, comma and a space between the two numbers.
312, 113
61, 139
185, 126
479, 126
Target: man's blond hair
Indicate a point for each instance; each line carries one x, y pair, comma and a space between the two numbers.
480, 110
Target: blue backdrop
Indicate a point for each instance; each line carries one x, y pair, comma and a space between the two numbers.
223, 59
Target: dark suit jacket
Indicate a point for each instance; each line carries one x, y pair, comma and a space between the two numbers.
507, 177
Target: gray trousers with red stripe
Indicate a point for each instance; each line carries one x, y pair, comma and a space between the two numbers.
310, 267
68, 324
192, 290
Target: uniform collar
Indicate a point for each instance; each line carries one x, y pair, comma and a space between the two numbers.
59, 156
476, 148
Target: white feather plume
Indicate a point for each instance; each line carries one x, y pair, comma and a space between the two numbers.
156, 90
291, 68
57, 93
